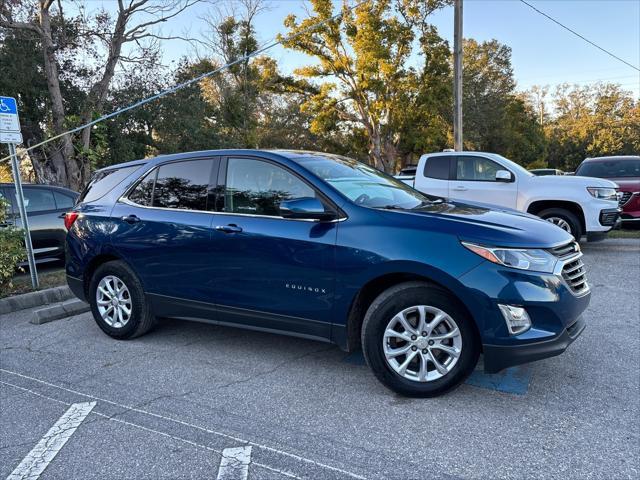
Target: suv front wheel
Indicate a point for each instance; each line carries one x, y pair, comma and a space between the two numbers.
418, 340
118, 302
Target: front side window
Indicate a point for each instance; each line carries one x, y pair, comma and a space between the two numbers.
257, 187
362, 184
476, 169
179, 185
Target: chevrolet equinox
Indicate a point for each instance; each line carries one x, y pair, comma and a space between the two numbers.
324, 247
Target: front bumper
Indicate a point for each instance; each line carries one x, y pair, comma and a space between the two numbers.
554, 308
499, 357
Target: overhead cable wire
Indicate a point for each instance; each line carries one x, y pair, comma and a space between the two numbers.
180, 86
580, 36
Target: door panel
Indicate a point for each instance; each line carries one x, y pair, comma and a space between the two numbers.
163, 230
279, 267
475, 181
434, 178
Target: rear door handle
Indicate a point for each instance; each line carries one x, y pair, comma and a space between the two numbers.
229, 228
131, 219
460, 188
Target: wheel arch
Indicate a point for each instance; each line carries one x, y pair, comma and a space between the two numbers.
91, 267
375, 286
539, 205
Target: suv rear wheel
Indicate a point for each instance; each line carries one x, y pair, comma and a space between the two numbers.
118, 302
418, 340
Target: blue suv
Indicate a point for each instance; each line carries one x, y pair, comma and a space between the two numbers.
324, 247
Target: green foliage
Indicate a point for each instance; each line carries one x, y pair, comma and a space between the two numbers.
592, 121
12, 250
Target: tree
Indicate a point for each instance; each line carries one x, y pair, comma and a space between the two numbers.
59, 38
364, 62
497, 119
592, 121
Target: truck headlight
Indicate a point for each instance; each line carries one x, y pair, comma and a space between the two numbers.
604, 193
533, 259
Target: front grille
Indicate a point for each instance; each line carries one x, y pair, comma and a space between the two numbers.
624, 199
575, 275
570, 248
573, 271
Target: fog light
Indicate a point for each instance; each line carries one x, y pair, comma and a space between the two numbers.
517, 319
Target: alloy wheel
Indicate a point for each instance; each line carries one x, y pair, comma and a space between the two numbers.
422, 343
560, 222
114, 301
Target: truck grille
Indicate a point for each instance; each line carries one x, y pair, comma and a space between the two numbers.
624, 199
573, 271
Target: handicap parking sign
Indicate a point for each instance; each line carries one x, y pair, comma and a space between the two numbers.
9, 121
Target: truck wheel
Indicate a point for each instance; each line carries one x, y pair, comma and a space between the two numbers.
418, 340
118, 303
563, 219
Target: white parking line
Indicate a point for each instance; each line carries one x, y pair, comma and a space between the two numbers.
234, 464
48, 447
197, 427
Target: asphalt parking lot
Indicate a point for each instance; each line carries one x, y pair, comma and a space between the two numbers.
171, 404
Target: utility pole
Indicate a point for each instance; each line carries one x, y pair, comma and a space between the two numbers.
457, 76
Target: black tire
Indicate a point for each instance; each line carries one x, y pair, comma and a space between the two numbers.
567, 216
393, 301
141, 319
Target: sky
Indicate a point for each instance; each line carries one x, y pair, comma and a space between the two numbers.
543, 53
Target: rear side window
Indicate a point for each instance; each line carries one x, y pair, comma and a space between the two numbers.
103, 181
62, 200
183, 185
143, 193
437, 167
38, 199
179, 185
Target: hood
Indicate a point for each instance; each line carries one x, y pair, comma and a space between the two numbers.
564, 180
628, 184
477, 223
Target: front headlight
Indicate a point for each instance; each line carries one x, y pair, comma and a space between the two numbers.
603, 193
533, 259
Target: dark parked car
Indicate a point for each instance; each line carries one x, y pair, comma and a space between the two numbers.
46, 206
324, 247
623, 170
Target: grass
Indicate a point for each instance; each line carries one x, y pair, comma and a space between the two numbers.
48, 279
626, 233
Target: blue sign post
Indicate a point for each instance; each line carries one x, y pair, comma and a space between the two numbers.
10, 134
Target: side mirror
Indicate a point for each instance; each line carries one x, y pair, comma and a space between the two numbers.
305, 208
504, 176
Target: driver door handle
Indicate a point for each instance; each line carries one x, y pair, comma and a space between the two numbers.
228, 228
460, 188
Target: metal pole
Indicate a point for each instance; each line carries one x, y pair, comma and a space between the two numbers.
23, 215
457, 76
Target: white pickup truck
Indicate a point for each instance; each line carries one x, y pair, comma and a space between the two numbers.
579, 205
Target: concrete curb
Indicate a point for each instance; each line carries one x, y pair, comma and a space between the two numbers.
35, 299
59, 311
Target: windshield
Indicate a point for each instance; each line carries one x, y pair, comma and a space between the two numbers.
362, 184
610, 168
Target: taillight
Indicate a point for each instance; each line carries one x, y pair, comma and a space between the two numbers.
69, 218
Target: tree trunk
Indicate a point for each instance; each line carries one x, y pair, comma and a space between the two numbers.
61, 168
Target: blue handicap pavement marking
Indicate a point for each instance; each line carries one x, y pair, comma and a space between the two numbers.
8, 105
514, 380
